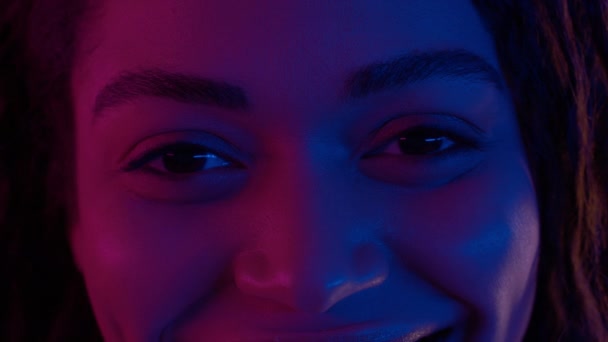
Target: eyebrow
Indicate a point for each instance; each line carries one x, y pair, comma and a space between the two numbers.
370, 79
414, 67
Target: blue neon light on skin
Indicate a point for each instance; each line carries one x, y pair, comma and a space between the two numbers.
323, 193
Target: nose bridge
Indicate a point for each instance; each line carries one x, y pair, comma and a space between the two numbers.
314, 248
306, 184
308, 205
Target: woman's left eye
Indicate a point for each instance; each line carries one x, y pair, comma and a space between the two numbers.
426, 155
179, 158
425, 141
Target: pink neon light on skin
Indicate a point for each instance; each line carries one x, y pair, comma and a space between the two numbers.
308, 232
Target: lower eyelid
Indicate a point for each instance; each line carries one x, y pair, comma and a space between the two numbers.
422, 170
183, 189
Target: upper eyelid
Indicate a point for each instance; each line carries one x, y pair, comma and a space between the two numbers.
382, 138
385, 133
208, 140
457, 138
439, 120
153, 153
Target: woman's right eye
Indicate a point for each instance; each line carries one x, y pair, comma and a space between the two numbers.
183, 158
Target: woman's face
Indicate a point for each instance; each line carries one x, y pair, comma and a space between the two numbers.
300, 170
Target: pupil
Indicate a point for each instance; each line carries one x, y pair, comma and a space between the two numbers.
184, 161
419, 144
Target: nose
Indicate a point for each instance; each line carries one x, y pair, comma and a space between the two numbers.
315, 248
314, 283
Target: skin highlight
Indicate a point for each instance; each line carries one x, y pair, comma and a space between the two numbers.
539, 47
286, 240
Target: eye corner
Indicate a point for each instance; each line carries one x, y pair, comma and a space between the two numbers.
214, 159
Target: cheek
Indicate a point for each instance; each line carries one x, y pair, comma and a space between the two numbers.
476, 239
145, 263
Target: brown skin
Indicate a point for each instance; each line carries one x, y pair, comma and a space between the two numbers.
308, 230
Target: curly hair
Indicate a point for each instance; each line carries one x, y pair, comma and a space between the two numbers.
554, 55
43, 296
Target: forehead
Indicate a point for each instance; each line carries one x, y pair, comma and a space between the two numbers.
285, 46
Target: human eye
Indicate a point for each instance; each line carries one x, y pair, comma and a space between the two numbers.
428, 141
183, 167
179, 158
425, 150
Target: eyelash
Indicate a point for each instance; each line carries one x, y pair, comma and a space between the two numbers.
179, 146
459, 143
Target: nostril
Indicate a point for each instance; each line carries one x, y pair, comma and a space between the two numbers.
369, 262
252, 266
310, 284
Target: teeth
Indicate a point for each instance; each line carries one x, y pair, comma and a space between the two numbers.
439, 336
